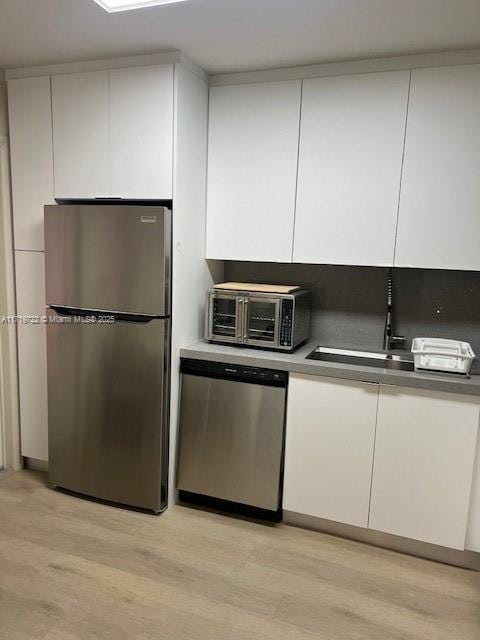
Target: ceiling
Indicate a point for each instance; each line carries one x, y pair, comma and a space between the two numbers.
236, 35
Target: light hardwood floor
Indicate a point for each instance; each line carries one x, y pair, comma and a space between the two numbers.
76, 570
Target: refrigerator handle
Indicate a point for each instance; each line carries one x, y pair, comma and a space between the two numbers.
111, 316
61, 311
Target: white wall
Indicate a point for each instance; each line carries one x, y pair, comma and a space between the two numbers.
191, 273
3, 106
9, 416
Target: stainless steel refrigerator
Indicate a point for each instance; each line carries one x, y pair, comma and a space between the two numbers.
108, 350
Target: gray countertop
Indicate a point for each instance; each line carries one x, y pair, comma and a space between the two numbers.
296, 363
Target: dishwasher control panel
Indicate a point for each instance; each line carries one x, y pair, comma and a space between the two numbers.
239, 373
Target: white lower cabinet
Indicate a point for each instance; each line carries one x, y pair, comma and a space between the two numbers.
472, 540
329, 448
424, 455
32, 355
400, 461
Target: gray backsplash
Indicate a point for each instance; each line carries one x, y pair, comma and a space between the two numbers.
348, 303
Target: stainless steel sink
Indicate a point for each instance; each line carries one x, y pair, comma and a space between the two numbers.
378, 359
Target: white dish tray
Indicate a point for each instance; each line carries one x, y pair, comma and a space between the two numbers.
439, 354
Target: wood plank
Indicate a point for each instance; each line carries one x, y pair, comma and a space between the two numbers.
77, 570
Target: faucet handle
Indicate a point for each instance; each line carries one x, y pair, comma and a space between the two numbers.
398, 342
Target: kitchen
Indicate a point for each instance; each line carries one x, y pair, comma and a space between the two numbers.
270, 236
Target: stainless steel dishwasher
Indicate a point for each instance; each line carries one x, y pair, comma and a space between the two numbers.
232, 425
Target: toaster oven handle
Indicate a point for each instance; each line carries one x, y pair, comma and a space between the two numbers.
245, 320
242, 319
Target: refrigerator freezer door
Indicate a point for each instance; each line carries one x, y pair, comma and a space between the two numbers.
108, 257
108, 409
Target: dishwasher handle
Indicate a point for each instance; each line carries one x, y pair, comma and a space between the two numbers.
238, 373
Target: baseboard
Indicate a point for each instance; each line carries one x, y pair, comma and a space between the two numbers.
464, 559
228, 507
35, 465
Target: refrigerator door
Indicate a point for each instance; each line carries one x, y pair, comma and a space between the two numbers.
108, 409
108, 257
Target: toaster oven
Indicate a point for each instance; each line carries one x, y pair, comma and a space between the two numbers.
264, 320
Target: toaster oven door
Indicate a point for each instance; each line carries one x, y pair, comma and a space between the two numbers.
225, 317
262, 321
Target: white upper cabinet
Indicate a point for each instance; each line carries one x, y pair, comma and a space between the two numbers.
141, 132
439, 221
424, 455
81, 134
113, 133
329, 448
351, 146
252, 165
30, 113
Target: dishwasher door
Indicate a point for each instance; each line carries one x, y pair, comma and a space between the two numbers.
232, 437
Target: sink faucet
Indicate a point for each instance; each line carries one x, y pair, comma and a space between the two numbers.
390, 341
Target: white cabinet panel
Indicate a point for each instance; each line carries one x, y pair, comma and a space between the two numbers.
81, 134
351, 146
141, 132
253, 144
439, 221
32, 355
329, 448
424, 454
30, 113
472, 541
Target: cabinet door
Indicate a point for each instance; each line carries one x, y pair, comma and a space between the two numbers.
472, 541
350, 162
141, 132
439, 221
30, 113
252, 165
424, 453
81, 134
329, 448
32, 358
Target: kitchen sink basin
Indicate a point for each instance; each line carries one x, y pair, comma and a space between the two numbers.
380, 360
